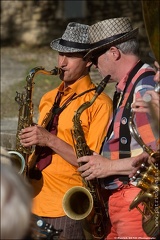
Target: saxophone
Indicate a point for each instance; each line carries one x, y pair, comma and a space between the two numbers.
86, 202
149, 181
20, 156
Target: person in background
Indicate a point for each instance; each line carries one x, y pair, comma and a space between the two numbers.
115, 51
76, 88
16, 201
150, 103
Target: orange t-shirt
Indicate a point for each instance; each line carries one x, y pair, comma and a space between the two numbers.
60, 175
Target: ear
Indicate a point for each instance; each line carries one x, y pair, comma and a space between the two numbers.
115, 53
89, 63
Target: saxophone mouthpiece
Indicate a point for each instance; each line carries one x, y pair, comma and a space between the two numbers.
56, 71
102, 84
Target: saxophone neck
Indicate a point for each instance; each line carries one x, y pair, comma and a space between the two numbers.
99, 90
42, 70
79, 141
102, 85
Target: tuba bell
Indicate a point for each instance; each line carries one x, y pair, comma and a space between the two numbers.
149, 174
149, 181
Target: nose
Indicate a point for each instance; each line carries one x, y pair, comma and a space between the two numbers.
62, 61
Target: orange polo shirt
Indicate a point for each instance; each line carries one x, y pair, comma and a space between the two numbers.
60, 175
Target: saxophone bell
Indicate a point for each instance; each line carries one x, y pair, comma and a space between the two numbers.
86, 202
18, 161
77, 203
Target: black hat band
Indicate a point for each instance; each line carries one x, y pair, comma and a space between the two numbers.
107, 40
74, 44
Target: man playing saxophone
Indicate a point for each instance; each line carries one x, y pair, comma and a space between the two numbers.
115, 51
76, 88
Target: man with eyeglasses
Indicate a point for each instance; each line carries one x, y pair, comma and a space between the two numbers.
115, 51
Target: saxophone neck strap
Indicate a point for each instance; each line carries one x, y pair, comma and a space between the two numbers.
74, 96
118, 97
56, 110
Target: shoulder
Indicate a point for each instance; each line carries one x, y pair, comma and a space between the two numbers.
104, 98
145, 84
49, 95
146, 75
103, 103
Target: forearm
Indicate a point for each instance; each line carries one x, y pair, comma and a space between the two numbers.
63, 149
96, 166
120, 167
125, 166
37, 135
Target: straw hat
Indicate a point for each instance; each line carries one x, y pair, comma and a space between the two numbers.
110, 32
74, 39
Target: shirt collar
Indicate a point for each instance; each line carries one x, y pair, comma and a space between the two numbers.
77, 87
122, 83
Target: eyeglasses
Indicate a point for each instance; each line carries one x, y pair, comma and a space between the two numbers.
94, 58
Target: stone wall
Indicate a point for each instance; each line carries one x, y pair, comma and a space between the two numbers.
39, 22
29, 22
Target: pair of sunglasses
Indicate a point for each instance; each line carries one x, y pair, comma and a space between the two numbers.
95, 57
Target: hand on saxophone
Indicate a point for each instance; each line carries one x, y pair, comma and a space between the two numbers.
137, 163
97, 166
92, 166
35, 135
38, 135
